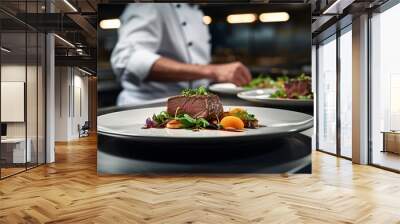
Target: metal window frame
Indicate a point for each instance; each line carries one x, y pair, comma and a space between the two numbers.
339, 32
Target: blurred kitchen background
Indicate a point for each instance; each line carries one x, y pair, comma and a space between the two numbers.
270, 39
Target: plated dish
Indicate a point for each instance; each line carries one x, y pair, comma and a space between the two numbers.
294, 92
263, 96
270, 123
196, 109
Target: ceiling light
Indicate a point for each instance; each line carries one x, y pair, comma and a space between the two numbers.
207, 20
107, 24
84, 71
70, 5
271, 17
241, 18
5, 50
65, 41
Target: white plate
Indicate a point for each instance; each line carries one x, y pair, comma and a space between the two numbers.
129, 124
263, 96
226, 88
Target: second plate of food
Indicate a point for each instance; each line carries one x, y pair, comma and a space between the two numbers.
263, 96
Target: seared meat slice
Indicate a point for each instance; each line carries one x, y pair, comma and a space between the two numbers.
199, 106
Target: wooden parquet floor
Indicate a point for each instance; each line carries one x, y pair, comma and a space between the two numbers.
70, 191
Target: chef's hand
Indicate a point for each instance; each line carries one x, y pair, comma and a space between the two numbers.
234, 72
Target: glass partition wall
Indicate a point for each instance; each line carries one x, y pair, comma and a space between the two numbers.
22, 77
334, 94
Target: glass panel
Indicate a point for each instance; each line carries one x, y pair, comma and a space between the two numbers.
346, 94
41, 99
385, 84
327, 96
31, 98
23, 88
32, 88
13, 86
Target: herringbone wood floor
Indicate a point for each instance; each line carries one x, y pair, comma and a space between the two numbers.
70, 191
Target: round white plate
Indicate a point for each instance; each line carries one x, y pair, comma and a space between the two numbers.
226, 88
129, 124
263, 96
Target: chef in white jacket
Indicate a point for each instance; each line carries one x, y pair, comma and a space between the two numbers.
163, 48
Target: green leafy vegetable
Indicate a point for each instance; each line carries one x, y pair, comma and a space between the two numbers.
303, 77
202, 123
162, 117
190, 122
195, 92
280, 93
262, 81
283, 78
265, 81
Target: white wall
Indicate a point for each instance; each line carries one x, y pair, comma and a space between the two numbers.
33, 126
61, 103
71, 102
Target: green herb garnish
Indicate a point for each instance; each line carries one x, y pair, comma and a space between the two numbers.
303, 77
280, 93
262, 81
266, 81
192, 123
201, 91
162, 117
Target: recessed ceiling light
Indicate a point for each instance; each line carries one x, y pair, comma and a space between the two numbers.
207, 20
107, 24
271, 17
241, 18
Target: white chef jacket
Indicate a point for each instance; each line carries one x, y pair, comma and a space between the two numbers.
149, 31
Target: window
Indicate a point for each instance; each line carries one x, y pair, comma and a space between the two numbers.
327, 96
346, 92
385, 89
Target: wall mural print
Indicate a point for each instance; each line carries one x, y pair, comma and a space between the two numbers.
204, 88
